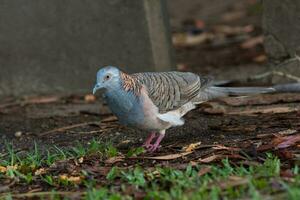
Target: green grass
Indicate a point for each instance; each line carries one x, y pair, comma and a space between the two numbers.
225, 180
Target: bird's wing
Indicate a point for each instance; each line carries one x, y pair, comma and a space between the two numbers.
171, 90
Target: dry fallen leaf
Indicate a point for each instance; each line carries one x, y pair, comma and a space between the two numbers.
233, 15
204, 170
80, 160
40, 171
170, 156
40, 100
89, 98
2, 169
185, 40
210, 158
285, 142
260, 59
18, 134
219, 157
115, 159
73, 179
233, 181
191, 147
222, 147
109, 119
232, 30
252, 42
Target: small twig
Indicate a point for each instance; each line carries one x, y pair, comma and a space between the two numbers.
274, 72
32, 100
69, 127
92, 132
279, 73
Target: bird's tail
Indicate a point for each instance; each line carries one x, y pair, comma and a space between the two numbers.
213, 92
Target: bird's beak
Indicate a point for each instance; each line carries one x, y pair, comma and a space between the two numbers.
96, 87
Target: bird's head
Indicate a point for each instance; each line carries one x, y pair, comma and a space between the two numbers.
107, 78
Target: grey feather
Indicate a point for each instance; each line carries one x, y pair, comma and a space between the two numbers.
171, 90
214, 92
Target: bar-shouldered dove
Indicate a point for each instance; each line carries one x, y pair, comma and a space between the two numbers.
156, 101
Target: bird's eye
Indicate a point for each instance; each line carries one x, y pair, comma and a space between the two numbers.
107, 77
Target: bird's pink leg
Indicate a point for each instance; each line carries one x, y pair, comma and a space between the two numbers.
149, 139
156, 145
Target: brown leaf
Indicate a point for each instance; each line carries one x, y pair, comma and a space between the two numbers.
89, 98
260, 58
285, 142
170, 156
287, 173
222, 147
252, 42
40, 171
232, 30
210, 158
115, 159
191, 147
289, 155
73, 179
110, 119
204, 170
233, 181
186, 40
40, 100
234, 15
265, 147
2, 169
219, 157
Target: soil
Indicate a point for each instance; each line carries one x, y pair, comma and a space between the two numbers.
205, 124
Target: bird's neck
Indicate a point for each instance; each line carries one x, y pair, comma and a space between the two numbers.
130, 84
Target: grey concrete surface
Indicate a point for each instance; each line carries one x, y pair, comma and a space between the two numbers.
209, 12
281, 23
57, 46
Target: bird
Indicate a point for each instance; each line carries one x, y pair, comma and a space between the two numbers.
157, 101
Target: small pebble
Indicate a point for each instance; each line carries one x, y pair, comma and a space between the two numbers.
18, 134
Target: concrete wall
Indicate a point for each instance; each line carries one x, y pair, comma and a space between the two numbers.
281, 22
57, 46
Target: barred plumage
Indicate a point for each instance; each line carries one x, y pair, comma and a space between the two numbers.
171, 90
130, 84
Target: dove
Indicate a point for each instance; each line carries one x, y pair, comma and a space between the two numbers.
157, 101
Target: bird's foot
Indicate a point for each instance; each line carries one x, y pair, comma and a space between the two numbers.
147, 146
148, 141
156, 145
153, 148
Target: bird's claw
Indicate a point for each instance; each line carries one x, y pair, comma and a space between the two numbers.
147, 146
151, 147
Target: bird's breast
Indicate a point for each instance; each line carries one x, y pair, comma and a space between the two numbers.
135, 111
126, 107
